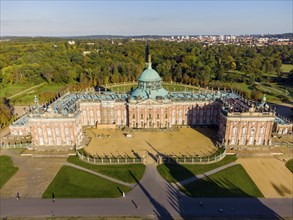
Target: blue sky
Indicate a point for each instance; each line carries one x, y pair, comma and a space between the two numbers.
60, 18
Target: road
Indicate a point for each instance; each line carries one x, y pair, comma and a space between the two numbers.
151, 197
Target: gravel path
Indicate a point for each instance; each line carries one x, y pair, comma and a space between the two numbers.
200, 176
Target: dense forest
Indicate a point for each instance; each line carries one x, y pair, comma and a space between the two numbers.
56, 61
99, 62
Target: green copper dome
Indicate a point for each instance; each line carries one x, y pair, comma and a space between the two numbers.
149, 75
149, 85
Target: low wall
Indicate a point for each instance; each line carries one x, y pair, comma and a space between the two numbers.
106, 126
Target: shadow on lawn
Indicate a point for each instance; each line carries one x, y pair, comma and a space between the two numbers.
213, 198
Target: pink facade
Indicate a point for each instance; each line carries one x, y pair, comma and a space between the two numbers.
104, 112
167, 114
246, 128
55, 131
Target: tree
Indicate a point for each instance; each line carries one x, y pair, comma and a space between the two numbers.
256, 95
5, 113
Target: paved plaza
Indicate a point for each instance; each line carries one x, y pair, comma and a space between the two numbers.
33, 177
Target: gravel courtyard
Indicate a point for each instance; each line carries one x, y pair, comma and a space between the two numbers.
186, 141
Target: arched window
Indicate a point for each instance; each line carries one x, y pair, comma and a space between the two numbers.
40, 133
234, 131
67, 132
252, 131
244, 130
57, 130
49, 132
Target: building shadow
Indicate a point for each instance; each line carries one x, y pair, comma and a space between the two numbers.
207, 198
283, 110
159, 210
101, 89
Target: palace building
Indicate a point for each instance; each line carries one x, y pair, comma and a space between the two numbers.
150, 106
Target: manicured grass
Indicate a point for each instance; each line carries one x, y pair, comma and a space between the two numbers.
231, 182
10, 90
179, 172
7, 170
179, 87
126, 173
122, 88
27, 98
168, 86
73, 183
289, 165
286, 68
242, 86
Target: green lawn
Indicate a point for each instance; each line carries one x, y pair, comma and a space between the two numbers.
231, 182
27, 98
289, 165
73, 183
10, 90
122, 88
124, 173
168, 86
7, 170
179, 172
286, 68
179, 87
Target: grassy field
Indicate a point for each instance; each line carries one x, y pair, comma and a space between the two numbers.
73, 183
120, 172
168, 86
7, 170
286, 68
27, 97
179, 87
179, 172
231, 182
289, 165
122, 88
12, 89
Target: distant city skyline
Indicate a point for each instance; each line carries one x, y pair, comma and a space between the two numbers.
78, 18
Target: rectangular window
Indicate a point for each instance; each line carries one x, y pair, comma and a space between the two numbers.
158, 116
